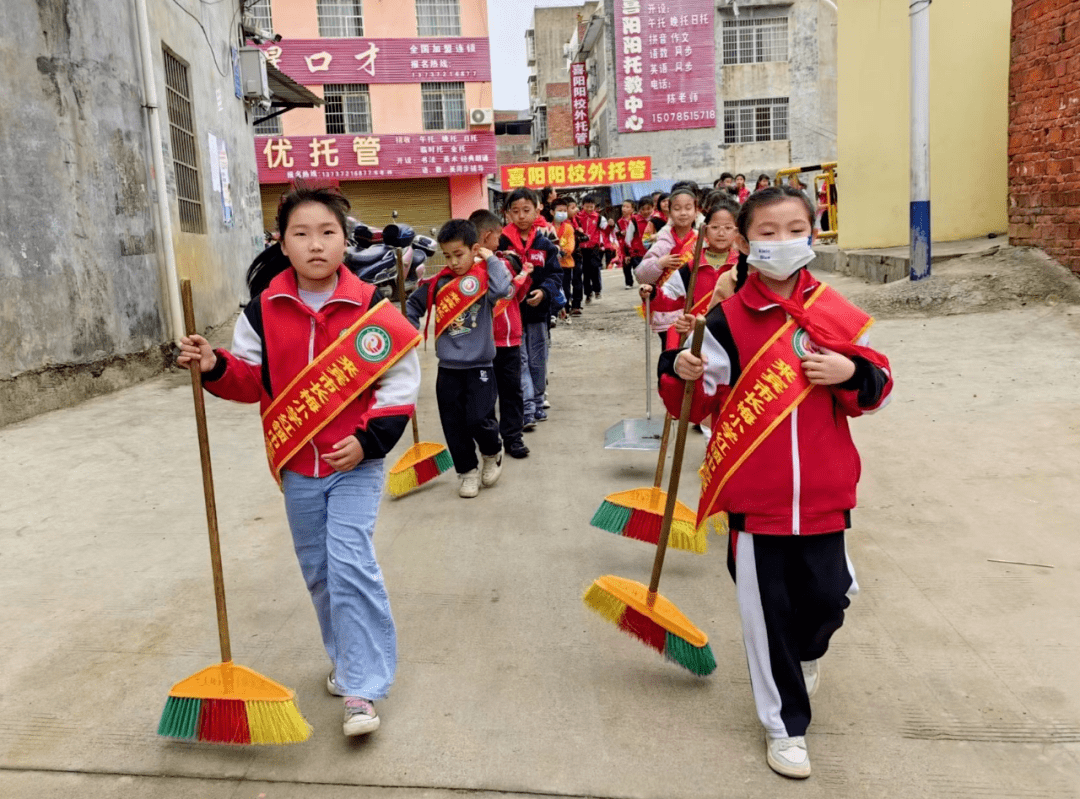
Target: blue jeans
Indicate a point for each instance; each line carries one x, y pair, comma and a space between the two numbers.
534, 353
332, 521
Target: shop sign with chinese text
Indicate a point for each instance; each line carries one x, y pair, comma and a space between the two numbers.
317, 61
579, 102
665, 72
586, 172
374, 157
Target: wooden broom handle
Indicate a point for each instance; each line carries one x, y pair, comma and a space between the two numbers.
208, 481
658, 479
401, 299
676, 466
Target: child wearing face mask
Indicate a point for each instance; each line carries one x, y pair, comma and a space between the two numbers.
784, 363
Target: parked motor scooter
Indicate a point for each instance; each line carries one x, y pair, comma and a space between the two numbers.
374, 259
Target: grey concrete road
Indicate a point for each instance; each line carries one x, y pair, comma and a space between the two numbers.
955, 676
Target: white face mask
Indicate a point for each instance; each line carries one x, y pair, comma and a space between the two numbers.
560, 216
780, 259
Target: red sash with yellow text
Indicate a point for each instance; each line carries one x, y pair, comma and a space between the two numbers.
505, 302
771, 386
457, 295
329, 383
685, 250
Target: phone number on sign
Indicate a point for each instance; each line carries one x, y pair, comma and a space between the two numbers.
684, 116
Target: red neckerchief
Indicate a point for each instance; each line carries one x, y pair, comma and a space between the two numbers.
794, 308
521, 248
682, 244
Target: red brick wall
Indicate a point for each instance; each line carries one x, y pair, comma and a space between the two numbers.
559, 118
1044, 128
514, 150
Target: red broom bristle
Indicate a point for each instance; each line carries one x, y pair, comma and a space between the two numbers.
224, 721
643, 628
643, 526
426, 470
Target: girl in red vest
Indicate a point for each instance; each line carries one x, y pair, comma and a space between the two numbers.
785, 363
333, 482
714, 273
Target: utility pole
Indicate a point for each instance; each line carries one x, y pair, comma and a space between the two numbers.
919, 11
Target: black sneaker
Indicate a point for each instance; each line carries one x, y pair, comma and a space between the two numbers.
517, 449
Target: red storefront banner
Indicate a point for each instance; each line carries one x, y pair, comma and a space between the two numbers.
374, 157
579, 103
665, 64
353, 60
586, 172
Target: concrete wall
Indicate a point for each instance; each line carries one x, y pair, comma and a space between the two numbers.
553, 28
969, 61
80, 275
808, 79
1044, 128
214, 261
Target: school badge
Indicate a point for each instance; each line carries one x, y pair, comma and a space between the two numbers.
802, 344
469, 285
373, 344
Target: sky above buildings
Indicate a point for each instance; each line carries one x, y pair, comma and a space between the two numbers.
507, 23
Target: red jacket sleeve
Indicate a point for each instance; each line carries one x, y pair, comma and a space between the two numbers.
234, 379
869, 389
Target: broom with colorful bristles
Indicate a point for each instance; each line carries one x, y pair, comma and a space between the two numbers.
424, 460
225, 703
642, 612
638, 513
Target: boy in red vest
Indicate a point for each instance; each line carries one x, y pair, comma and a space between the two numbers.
592, 249
461, 298
633, 248
533, 248
507, 329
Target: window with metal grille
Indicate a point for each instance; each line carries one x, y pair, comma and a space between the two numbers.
754, 41
269, 127
259, 11
340, 18
443, 105
182, 139
755, 120
438, 18
348, 108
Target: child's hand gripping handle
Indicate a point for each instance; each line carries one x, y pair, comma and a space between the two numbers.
676, 466
208, 480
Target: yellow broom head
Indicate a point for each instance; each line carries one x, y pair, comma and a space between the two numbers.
226, 703
420, 464
653, 620
639, 514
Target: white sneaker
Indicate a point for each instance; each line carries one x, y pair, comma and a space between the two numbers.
332, 687
788, 756
489, 476
360, 716
546, 404
470, 484
811, 673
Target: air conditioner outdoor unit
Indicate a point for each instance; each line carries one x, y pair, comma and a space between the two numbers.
253, 74
481, 116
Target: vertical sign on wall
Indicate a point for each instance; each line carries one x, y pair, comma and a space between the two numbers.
579, 101
665, 64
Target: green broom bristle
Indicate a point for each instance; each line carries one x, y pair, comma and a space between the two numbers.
610, 517
443, 461
180, 718
699, 660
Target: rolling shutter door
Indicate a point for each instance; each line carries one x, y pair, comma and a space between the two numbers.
422, 204
271, 196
